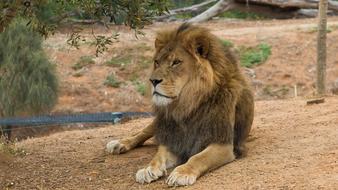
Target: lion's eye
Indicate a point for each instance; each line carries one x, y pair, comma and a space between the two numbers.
176, 62
156, 63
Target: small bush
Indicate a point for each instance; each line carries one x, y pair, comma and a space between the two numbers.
83, 62
144, 63
28, 83
276, 91
334, 27
120, 61
9, 148
328, 29
133, 77
144, 47
254, 56
227, 43
111, 81
140, 87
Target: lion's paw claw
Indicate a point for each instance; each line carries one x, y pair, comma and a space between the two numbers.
148, 175
177, 178
116, 147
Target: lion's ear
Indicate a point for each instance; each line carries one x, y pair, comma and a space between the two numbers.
201, 46
158, 44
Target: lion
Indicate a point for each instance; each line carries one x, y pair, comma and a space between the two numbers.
203, 107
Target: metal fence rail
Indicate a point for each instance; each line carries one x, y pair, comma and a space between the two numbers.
104, 117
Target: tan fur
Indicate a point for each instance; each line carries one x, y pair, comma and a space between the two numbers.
133, 141
214, 156
158, 166
203, 107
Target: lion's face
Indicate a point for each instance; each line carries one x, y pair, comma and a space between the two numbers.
188, 66
173, 69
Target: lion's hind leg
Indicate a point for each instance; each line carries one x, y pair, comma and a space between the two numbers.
243, 122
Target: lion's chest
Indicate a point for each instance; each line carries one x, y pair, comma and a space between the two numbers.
185, 139
180, 140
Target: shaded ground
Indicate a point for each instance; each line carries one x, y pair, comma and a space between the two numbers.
292, 146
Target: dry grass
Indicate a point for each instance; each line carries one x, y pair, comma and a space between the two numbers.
10, 148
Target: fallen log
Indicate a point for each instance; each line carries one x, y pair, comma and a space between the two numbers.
276, 8
218, 8
276, 12
300, 4
194, 8
269, 8
265, 11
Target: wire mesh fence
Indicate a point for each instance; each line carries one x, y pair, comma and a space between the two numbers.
38, 121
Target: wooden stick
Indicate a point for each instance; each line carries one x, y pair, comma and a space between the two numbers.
315, 101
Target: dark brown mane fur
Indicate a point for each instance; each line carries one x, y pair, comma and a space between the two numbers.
217, 108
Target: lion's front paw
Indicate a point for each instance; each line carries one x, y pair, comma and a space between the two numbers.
116, 147
149, 174
181, 176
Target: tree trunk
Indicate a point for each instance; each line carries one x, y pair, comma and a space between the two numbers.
218, 8
321, 47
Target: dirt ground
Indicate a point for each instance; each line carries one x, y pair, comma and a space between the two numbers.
292, 146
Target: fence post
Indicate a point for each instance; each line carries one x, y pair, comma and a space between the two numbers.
321, 47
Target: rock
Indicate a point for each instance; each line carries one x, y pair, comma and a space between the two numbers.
250, 72
336, 83
79, 73
256, 83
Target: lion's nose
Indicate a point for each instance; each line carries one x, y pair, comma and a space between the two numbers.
155, 81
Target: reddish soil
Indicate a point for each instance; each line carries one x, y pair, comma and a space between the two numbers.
292, 146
